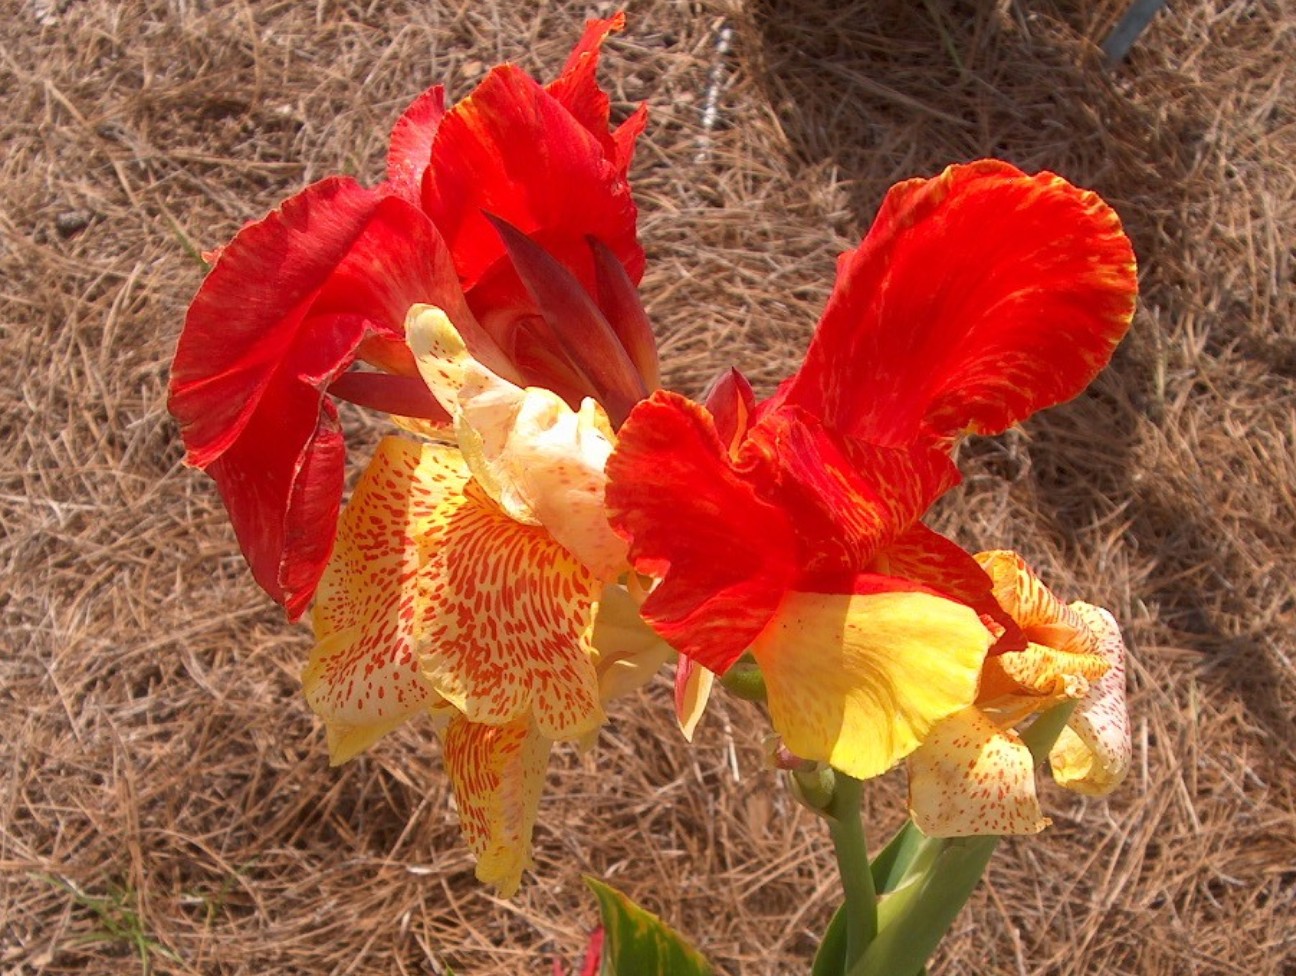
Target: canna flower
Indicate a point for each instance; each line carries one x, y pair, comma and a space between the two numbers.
973, 775
472, 575
791, 529
326, 282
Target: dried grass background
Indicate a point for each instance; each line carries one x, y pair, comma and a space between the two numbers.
165, 794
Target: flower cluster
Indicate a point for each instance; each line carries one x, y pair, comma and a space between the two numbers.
545, 527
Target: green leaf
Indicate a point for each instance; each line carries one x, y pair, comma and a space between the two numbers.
830, 960
638, 943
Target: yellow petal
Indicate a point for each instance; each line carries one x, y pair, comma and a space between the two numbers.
859, 680
498, 773
628, 652
969, 779
693, 684
363, 678
1092, 755
542, 462
504, 616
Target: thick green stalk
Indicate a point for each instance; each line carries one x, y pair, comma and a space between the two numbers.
942, 875
859, 899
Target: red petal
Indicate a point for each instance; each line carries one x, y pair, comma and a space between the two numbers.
411, 142
583, 333
284, 504
976, 298
513, 150
730, 401
278, 319
619, 301
576, 87
725, 556
846, 498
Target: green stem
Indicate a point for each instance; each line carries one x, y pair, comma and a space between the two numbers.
859, 898
939, 880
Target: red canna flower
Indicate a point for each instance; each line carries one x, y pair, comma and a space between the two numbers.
791, 529
488, 288
325, 282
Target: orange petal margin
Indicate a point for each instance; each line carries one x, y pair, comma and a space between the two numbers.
976, 299
363, 678
858, 680
498, 774
970, 779
504, 618
725, 557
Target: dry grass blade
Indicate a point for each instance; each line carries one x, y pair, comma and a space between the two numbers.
158, 762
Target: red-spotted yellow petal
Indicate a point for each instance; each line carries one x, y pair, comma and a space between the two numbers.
968, 778
1092, 755
364, 678
540, 460
498, 773
1040, 671
1043, 618
977, 298
504, 616
725, 557
859, 679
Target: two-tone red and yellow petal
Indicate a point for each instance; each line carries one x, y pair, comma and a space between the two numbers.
1092, 755
504, 617
968, 779
291, 301
498, 774
364, 676
858, 680
976, 298
724, 557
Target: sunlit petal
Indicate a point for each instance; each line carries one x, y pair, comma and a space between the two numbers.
542, 462
858, 680
725, 557
968, 778
504, 615
1093, 753
629, 652
498, 774
977, 298
693, 685
363, 678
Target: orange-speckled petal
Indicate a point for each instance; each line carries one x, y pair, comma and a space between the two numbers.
858, 680
1042, 616
363, 678
970, 779
504, 617
1041, 671
542, 462
1092, 755
498, 773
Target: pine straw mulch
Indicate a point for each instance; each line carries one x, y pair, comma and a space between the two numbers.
166, 800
